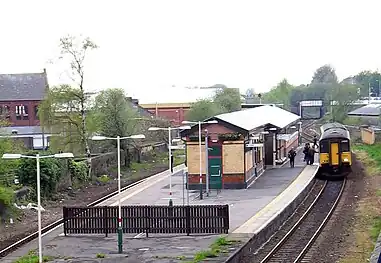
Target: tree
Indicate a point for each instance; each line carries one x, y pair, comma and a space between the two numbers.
368, 79
344, 95
116, 117
280, 94
228, 99
202, 110
75, 50
61, 113
8, 167
325, 74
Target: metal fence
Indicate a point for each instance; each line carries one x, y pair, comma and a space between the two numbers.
200, 219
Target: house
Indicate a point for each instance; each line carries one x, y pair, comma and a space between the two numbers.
240, 146
32, 136
20, 95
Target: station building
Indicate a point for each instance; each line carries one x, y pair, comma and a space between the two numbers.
241, 145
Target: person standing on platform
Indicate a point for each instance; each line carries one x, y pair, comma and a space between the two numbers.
311, 156
315, 141
291, 155
305, 151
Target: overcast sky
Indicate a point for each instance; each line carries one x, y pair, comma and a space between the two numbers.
148, 46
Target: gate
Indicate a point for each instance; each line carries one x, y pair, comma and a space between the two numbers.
197, 219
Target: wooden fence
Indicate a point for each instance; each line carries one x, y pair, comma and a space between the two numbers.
200, 219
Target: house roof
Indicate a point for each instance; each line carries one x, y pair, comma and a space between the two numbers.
367, 110
28, 86
250, 119
21, 130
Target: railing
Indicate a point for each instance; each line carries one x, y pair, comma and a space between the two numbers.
201, 219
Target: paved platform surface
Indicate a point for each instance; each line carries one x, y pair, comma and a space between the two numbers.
244, 204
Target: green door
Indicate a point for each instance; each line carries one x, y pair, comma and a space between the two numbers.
215, 173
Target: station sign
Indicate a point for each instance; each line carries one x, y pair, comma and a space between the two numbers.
250, 145
311, 103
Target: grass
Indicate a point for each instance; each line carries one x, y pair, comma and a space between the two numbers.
367, 224
218, 247
31, 257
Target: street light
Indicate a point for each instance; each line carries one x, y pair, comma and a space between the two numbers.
118, 139
169, 129
38, 157
199, 141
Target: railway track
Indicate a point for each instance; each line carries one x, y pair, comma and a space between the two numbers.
59, 222
307, 222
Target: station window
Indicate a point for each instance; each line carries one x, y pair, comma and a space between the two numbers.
344, 145
324, 147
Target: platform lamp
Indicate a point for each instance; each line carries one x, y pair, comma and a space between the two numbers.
118, 139
169, 129
38, 157
200, 145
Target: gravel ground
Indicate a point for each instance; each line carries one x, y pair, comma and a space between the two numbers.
26, 223
332, 244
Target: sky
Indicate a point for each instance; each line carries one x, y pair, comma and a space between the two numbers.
153, 49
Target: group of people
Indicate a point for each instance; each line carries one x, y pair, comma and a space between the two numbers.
309, 153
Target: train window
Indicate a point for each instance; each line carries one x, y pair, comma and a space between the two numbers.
344, 146
324, 147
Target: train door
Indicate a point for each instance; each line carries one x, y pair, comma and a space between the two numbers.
335, 156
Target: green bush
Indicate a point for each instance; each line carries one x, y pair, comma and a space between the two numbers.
6, 196
79, 170
50, 172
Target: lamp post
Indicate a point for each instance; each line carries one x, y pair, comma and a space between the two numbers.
118, 139
169, 129
38, 157
200, 144
274, 145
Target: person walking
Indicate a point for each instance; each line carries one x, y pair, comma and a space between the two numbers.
291, 155
305, 151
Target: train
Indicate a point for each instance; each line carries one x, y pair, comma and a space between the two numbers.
335, 156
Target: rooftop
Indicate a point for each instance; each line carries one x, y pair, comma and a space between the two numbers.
367, 110
21, 130
27, 86
250, 119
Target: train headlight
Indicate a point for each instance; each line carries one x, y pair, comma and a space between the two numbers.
346, 160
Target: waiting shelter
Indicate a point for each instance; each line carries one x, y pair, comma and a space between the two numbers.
240, 146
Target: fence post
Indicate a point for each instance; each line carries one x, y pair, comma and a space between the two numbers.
226, 219
187, 219
64, 212
105, 220
147, 218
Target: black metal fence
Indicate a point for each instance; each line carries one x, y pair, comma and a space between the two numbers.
198, 219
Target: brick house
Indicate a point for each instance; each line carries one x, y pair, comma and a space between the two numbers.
240, 146
20, 95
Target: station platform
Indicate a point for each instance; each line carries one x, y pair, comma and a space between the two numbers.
252, 208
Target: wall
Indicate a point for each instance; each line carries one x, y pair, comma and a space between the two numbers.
233, 161
100, 164
32, 117
175, 115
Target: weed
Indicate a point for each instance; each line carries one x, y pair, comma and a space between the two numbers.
31, 257
215, 249
101, 255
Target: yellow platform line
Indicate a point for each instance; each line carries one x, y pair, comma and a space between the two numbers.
247, 227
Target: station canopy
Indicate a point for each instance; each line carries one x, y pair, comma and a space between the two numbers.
368, 110
250, 119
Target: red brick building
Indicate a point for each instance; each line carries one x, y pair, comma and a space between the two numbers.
175, 112
20, 95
